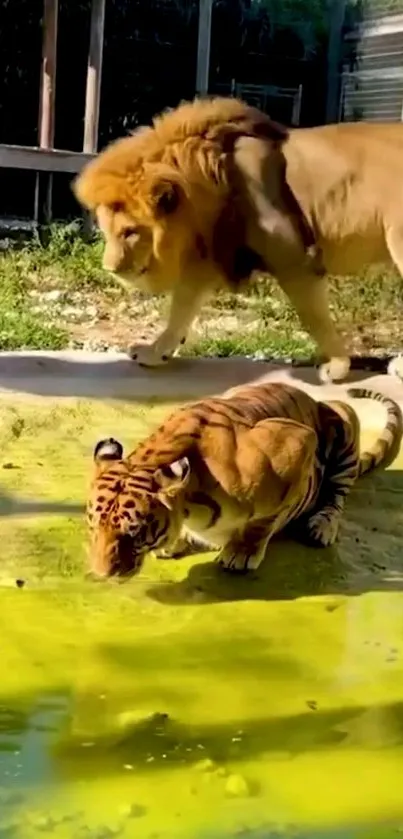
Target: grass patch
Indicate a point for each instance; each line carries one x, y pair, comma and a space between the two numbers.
56, 295
266, 343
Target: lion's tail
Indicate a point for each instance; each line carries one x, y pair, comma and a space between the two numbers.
387, 445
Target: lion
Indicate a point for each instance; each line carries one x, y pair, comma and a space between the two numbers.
215, 190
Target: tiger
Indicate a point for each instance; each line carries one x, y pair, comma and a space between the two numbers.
229, 472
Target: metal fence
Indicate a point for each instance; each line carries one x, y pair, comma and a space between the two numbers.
282, 103
372, 76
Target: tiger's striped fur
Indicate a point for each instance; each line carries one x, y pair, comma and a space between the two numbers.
232, 471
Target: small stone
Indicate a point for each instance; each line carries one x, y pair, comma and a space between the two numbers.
237, 787
10, 797
52, 296
103, 831
132, 811
206, 765
44, 823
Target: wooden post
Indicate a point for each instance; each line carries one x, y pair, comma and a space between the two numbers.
203, 47
336, 21
94, 73
46, 127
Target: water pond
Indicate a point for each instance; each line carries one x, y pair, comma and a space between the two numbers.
185, 703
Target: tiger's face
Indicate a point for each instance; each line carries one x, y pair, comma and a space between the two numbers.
131, 510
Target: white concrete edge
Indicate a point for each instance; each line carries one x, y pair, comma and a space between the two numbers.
114, 376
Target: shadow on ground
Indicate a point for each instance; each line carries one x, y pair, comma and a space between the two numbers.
368, 557
118, 377
10, 506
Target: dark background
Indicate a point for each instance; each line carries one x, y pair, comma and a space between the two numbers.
149, 64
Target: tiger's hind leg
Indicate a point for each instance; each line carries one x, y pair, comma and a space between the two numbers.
320, 528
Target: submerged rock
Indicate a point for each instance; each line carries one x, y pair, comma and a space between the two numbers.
132, 811
103, 831
206, 765
44, 823
237, 787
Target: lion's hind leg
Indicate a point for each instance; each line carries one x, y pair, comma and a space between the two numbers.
309, 295
394, 241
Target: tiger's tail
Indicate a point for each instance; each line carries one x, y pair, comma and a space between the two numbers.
387, 445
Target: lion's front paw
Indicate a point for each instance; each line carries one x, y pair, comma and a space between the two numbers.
322, 529
334, 370
148, 355
395, 367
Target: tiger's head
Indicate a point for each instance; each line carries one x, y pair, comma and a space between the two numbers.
131, 510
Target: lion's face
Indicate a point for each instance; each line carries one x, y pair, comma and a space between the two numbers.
151, 239
129, 251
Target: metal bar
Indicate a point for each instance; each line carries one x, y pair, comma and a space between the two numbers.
94, 75
48, 75
337, 12
203, 47
296, 107
46, 126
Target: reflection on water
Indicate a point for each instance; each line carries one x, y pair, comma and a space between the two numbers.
120, 716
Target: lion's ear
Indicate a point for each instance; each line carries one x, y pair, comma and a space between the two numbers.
166, 196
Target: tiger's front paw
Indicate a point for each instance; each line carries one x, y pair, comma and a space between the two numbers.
322, 530
233, 560
238, 558
334, 370
179, 549
148, 355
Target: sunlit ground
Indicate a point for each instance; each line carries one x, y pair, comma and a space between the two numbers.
186, 703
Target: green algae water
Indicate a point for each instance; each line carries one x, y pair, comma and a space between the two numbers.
186, 703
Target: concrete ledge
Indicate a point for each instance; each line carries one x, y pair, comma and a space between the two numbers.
114, 376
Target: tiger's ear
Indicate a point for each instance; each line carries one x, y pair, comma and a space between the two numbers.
105, 452
171, 479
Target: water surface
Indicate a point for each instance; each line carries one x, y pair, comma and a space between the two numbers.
186, 703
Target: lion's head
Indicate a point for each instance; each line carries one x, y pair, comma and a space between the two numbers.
163, 197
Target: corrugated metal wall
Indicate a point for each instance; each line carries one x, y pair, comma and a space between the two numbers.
372, 79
